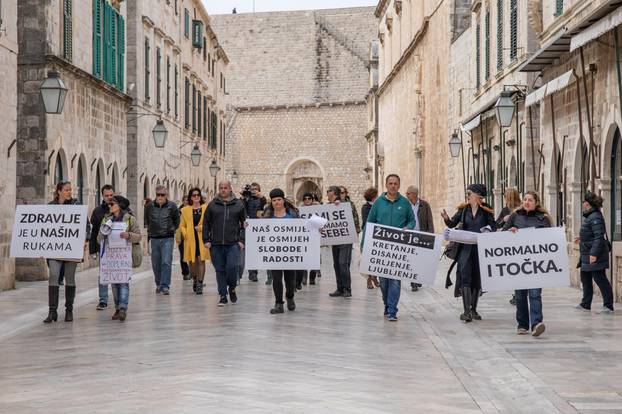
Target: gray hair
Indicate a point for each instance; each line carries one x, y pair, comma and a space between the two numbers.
161, 188
335, 189
413, 189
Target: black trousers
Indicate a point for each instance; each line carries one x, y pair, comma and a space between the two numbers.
600, 278
301, 276
342, 257
185, 269
277, 284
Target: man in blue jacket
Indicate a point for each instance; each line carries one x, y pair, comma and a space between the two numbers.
392, 209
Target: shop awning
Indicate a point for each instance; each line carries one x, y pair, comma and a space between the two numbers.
535, 96
559, 83
596, 30
472, 124
560, 44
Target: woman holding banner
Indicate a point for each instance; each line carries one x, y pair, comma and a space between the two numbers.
66, 267
511, 197
190, 227
529, 301
475, 216
119, 214
280, 208
594, 247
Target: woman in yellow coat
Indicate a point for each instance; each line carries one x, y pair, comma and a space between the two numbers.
190, 230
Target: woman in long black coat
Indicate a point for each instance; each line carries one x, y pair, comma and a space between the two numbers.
476, 216
594, 249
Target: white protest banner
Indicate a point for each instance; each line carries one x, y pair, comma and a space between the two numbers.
340, 228
400, 254
281, 244
527, 259
114, 238
115, 265
50, 231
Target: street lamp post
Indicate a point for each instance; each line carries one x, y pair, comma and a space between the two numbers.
213, 170
456, 147
195, 156
504, 112
160, 133
53, 93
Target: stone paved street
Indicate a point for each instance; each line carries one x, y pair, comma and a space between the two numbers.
183, 354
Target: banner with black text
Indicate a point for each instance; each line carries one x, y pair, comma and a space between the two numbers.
340, 228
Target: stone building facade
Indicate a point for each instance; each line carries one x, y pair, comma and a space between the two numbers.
8, 135
577, 108
177, 73
126, 65
412, 94
298, 84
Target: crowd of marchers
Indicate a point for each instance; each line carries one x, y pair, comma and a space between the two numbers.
215, 232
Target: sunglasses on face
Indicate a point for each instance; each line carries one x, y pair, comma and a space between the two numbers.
196, 195
308, 198
161, 194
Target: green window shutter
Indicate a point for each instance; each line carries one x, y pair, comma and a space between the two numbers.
158, 77
107, 42
205, 126
168, 84
186, 23
513, 29
559, 7
499, 35
147, 69
199, 102
478, 58
97, 38
197, 33
187, 103
120, 53
487, 46
113, 46
67, 30
194, 108
176, 92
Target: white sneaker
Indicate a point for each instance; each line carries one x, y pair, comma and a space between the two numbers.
538, 330
605, 310
521, 331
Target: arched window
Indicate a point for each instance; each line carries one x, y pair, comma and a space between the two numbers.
560, 182
616, 187
146, 188
80, 183
58, 169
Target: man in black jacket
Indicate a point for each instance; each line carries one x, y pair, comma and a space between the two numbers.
162, 221
107, 192
223, 235
423, 217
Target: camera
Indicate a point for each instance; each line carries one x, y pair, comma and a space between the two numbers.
246, 193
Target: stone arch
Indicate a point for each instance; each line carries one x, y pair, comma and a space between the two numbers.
100, 180
307, 187
610, 183
303, 172
60, 168
81, 187
145, 187
114, 177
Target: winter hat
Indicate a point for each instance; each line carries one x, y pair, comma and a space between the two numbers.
277, 193
123, 202
478, 189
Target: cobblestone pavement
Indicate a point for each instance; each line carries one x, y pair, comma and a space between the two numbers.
183, 354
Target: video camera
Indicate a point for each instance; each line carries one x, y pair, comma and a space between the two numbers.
246, 193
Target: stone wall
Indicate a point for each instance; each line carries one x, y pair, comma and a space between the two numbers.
289, 147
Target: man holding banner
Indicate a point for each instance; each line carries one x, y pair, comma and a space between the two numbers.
394, 210
342, 255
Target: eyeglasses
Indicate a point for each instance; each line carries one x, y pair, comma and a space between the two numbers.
196, 195
308, 198
161, 194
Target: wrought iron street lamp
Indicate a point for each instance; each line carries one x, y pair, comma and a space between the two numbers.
159, 133
213, 170
455, 145
53, 92
195, 156
504, 109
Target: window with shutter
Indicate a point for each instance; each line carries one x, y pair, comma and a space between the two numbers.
487, 45
187, 103
559, 7
499, 35
107, 42
513, 29
194, 108
477, 56
176, 92
120, 52
168, 84
158, 77
204, 49
147, 69
186, 23
113, 47
97, 38
199, 103
205, 126
197, 33
67, 30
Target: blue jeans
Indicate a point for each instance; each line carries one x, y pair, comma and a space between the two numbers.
531, 310
161, 261
391, 290
121, 294
103, 293
226, 262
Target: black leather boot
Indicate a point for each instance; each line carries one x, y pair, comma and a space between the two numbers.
466, 304
53, 304
278, 308
70, 295
474, 299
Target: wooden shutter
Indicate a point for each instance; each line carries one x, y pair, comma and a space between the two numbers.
120, 52
487, 46
158, 77
559, 7
67, 30
478, 34
513, 29
186, 23
168, 84
147, 70
499, 35
176, 92
97, 38
107, 42
113, 46
199, 103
